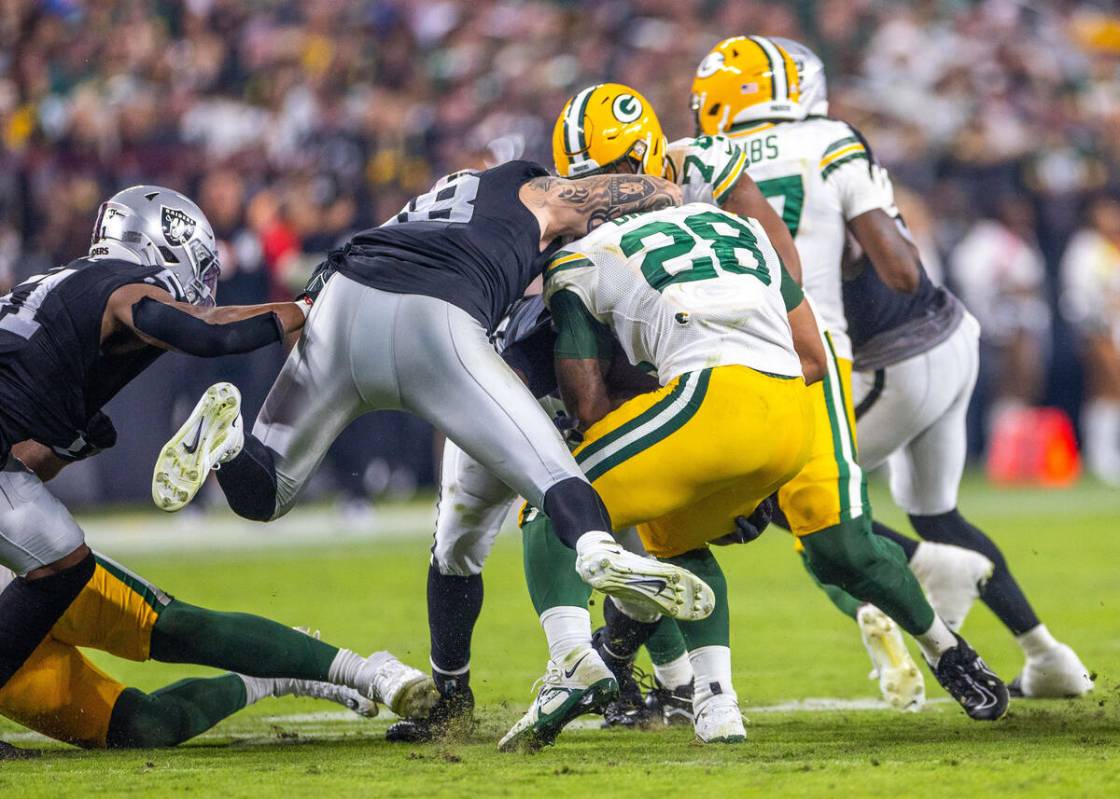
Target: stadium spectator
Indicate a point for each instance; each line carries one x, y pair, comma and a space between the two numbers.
329, 116
1000, 275
1091, 302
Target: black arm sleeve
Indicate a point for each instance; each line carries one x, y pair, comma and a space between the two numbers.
193, 336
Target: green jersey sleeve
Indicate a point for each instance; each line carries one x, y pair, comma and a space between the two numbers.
578, 334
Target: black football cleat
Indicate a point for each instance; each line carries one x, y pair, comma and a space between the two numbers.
629, 708
452, 716
671, 705
967, 678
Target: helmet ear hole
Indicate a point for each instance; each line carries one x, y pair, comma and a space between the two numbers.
167, 255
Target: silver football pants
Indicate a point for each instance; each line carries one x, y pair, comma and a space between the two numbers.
915, 420
36, 529
364, 349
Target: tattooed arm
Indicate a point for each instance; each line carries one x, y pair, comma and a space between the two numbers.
576, 207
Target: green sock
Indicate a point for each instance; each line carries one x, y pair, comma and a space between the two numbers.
716, 629
666, 644
845, 602
238, 642
871, 569
173, 714
550, 567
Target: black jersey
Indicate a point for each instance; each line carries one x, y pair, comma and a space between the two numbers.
469, 241
888, 326
526, 341
54, 377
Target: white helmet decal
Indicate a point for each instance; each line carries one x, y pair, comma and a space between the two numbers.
627, 108
712, 63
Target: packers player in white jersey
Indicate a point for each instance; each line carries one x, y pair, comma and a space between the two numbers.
916, 356
699, 298
613, 127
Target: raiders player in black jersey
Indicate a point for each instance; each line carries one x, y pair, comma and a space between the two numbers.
401, 322
69, 341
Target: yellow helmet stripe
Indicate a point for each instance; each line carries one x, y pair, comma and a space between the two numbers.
778, 78
574, 137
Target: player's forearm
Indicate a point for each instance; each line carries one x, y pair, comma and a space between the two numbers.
807, 343
289, 314
39, 459
583, 389
893, 257
746, 200
214, 332
569, 208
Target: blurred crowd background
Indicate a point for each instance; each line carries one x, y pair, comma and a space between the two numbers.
294, 122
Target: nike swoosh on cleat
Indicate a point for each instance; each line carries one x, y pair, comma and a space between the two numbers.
190, 448
568, 674
650, 583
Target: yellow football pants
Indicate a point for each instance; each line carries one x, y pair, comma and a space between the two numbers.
830, 489
58, 691
683, 461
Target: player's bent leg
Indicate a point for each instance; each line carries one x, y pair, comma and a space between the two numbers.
190, 707
900, 681
450, 375
29, 610
313, 399
717, 718
59, 693
258, 647
36, 529
576, 680
874, 570
1052, 668
174, 714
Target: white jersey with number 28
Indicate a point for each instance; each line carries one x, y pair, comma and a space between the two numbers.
684, 289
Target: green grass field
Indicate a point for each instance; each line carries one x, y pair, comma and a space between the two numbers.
789, 644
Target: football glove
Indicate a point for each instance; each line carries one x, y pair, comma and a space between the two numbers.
748, 528
98, 435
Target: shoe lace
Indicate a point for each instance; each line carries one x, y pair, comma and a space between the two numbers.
552, 675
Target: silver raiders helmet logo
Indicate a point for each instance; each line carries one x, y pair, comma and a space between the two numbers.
178, 227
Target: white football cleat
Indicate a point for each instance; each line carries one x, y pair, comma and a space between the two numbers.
653, 586
1057, 673
339, 694
719, 720
952, 578
900, 681
579, 684
408, 692
211, 435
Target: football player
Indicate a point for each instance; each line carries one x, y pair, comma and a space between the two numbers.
59, 693
700, 298
400, 320
916, 356
826, 503
69, 341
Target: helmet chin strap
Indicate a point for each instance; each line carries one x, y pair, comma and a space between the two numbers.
111, 248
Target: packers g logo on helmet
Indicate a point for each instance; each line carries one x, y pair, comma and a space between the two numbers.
627, 108
605, 126
712, 63
743, 80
